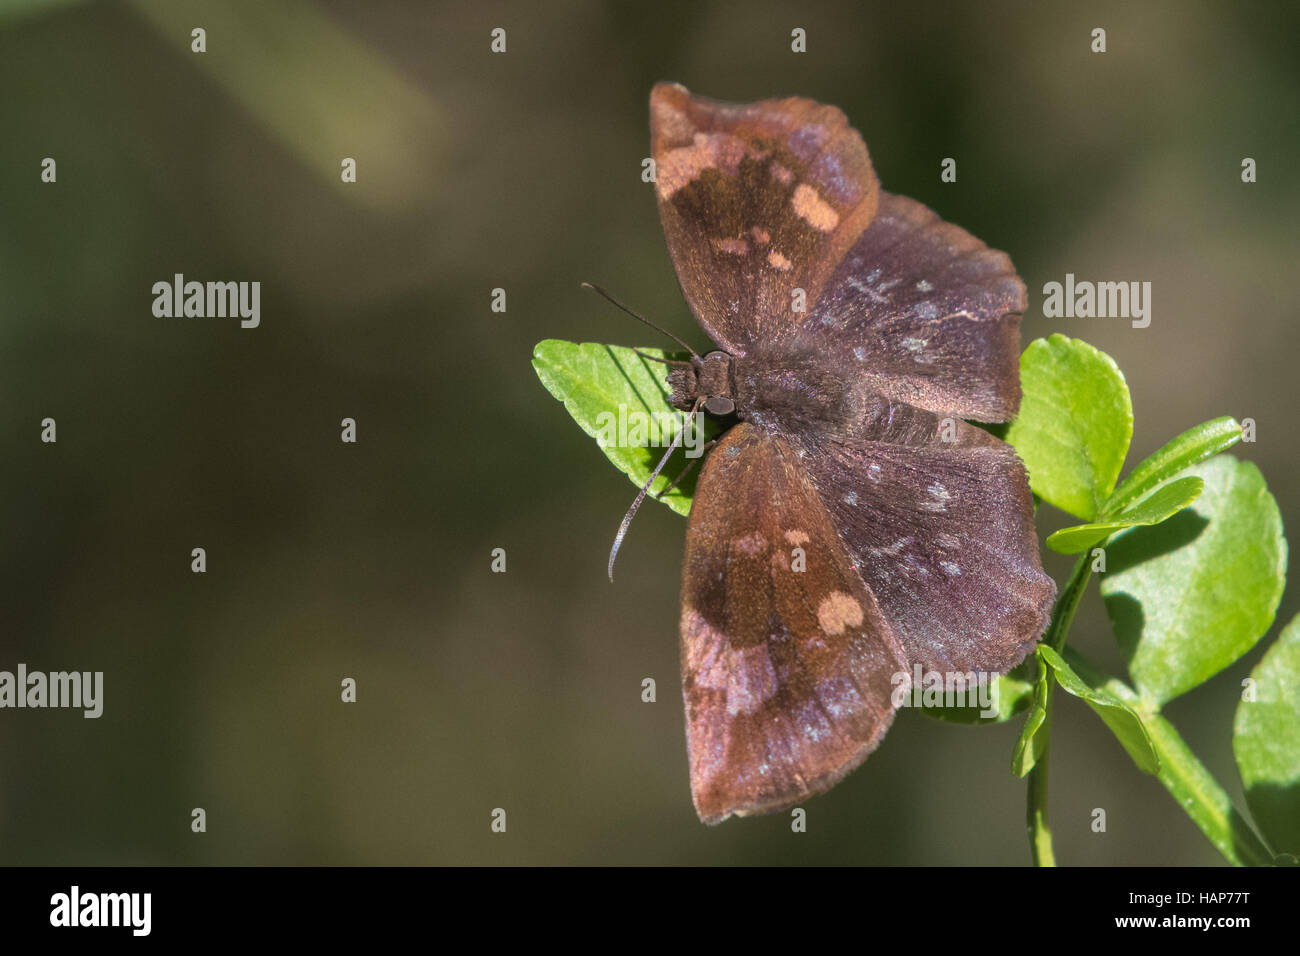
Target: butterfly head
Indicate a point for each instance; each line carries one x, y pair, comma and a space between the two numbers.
708, 379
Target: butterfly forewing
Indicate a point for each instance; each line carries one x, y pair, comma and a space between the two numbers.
756, 201
788, 665
927, 312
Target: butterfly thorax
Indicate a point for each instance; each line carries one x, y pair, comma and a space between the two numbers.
768, 391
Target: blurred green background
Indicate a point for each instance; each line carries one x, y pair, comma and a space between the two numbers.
522, 171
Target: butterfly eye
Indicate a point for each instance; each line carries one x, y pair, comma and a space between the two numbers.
719, 405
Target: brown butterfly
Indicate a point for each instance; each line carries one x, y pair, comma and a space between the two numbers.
849, 525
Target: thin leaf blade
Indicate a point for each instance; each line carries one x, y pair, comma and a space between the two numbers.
1189, 596
1191, 447
1033, 738
1266, 742
1124, 722
602, 386
1075, 423
1163, 503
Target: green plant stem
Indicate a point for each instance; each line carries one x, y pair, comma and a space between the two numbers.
1058, 630
1188, 781
1040, 834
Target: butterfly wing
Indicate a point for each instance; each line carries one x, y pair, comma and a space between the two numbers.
787, 674
760, 199
756, 200
924, 311
942, 534
917, 528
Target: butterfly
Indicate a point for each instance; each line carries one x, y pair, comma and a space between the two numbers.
849, 525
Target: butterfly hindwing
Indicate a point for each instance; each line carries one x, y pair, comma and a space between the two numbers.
943, 536
756, 200
788, 666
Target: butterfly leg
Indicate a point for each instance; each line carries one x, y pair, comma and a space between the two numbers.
681, 475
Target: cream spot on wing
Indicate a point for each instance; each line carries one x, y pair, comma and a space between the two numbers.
796, 537
811, 207
737, 247
680, 166
838, 611
778, 261
781, 174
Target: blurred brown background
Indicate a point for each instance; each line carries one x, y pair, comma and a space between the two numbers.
522, 170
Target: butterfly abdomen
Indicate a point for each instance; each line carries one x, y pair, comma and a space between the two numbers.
792, 391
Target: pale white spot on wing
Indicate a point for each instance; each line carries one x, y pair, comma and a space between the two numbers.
914, 344
950, 567
705, 654
813, 209
839, 696
860, 354
866, 290
745, 674
894, 548
837, 612
752, 679
940, 496
752, 543
924, 286
914, 566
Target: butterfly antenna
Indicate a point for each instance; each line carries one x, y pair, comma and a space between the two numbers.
640, 497
636, 315
662, 361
